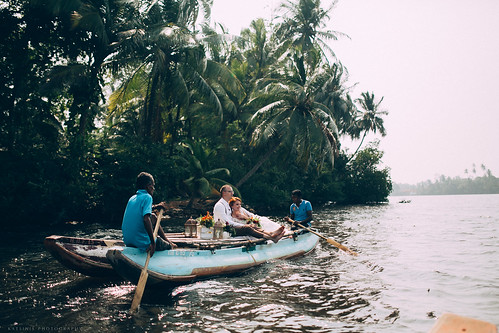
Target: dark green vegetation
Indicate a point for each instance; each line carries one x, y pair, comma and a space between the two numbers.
93, 92
473, 183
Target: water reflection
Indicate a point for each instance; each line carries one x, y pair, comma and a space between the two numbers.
415, 262
309, 293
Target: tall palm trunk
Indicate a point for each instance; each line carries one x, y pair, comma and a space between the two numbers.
149, 105
356, 151
257, 166
175, 128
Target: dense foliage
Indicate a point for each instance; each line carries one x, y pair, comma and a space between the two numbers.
93, 92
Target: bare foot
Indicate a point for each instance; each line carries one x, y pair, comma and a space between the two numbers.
276, 238
278, 231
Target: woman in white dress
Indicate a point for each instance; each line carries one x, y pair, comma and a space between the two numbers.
241, 215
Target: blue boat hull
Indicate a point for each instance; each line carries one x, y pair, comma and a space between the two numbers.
182, 266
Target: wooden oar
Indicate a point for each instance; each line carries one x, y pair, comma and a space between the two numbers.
330, 241
141, 285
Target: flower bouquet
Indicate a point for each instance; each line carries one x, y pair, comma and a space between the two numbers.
206, 221
254, 221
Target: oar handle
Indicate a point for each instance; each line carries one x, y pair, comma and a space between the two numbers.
310, 230
141, 285
158, 223
329, 240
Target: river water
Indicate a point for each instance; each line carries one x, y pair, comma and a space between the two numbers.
416, 261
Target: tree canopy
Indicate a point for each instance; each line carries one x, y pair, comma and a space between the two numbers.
96, 91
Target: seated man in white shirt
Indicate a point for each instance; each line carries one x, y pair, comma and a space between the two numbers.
223, 212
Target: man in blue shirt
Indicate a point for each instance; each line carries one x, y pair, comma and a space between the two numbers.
300, 210
138, 219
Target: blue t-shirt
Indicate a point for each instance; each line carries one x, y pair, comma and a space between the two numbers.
300, 211
134, 232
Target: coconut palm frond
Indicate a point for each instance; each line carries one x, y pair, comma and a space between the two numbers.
89, 18
218, 172
178, 89
226, 78
206, 90
132, 87
268, 109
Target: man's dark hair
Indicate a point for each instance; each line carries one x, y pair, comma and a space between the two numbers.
143, 180
296, 193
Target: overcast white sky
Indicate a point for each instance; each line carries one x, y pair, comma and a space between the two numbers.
436, 62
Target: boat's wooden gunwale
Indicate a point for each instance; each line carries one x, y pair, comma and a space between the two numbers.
79, 254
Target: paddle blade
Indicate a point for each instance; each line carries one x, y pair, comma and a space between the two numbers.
141, 285
139, 291
341, 247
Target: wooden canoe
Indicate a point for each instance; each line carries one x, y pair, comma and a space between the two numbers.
214, 258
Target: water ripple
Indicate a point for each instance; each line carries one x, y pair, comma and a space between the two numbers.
416, 261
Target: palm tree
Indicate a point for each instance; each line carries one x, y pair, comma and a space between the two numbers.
203, 181
171, 75
295, 105
257, 48
93, 29
290, 117
368, 120
335, 96
88, 37
303, 21
484, 168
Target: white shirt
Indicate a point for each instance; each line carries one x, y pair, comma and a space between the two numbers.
222, 211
